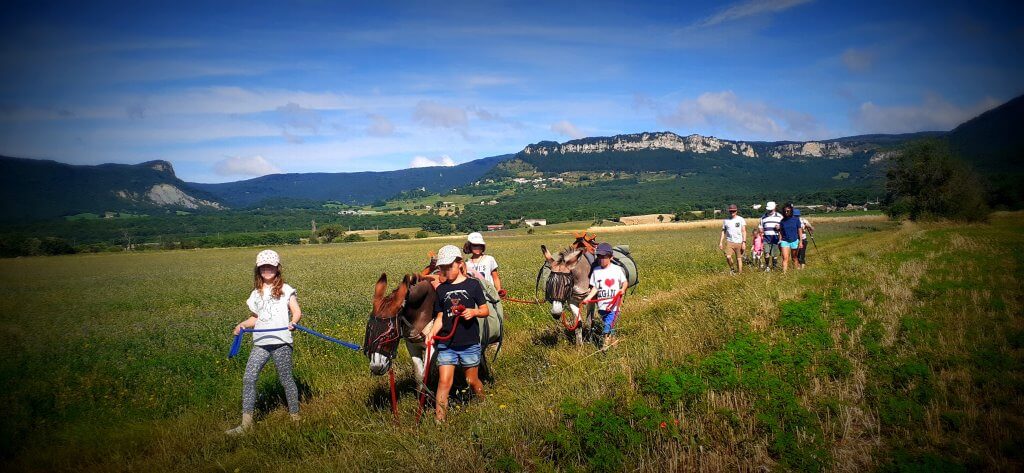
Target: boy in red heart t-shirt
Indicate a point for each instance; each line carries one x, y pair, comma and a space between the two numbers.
606, 281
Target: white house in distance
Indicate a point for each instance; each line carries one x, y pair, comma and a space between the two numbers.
535, 222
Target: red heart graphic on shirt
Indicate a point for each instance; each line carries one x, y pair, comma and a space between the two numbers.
609, 282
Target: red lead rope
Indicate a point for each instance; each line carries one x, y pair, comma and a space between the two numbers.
615, 305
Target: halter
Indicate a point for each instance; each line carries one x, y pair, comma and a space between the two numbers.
383, 333
558, 287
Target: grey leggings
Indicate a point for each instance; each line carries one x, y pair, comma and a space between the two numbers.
282, 354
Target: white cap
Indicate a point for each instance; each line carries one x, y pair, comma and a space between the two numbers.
770, 205
448, 254
268, 257
476, 238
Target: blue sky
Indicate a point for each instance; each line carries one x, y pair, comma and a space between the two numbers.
232, 90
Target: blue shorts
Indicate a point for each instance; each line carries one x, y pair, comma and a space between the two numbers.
608, 317
790, 244
467, 357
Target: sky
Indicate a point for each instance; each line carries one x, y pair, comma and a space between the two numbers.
227, 91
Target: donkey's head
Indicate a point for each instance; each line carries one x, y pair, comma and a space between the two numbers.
384, 327
569, 278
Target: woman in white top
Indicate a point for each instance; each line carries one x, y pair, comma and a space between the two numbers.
270, 304
479, 265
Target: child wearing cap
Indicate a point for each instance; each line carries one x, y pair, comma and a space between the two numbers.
270, 304
606, 281
479, 265
460, 302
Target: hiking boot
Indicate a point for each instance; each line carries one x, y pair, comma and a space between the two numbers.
295, 417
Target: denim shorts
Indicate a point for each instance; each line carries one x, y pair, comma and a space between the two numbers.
790, 244
467, 357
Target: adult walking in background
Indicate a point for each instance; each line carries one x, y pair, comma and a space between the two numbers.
808, 229
734, 233
769, 227
790, 235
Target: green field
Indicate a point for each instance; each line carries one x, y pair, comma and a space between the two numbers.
900, 347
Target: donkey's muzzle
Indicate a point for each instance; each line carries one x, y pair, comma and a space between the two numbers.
556, 309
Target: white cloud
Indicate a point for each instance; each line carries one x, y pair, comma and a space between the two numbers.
858, 60
933, 113
747, 119
423, 161
380, 126
433, 114
566, 128
245, 166
749, 8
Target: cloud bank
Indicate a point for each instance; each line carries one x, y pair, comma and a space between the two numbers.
424, 162
252, 166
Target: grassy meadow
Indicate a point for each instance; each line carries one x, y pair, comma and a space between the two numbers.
899, 348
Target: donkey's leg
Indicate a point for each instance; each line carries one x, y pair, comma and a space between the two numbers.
417, 351
579, 327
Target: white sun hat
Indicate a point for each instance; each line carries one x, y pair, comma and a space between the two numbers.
475, 238
268, 257
770, 205
448, 254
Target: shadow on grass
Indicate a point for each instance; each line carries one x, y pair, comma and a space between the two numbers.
270, 395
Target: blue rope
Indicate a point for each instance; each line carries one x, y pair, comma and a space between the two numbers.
236, 344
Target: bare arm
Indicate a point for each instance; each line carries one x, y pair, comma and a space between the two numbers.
247, 323
293, 306
497, 280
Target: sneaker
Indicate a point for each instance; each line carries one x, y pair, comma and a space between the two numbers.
241, 429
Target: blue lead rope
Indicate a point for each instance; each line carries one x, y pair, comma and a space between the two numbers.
236, 344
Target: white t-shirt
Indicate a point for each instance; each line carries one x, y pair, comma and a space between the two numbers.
482, 267
271, 313
803, 224
608, 282
734, 229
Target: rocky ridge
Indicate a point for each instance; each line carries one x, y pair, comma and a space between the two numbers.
699, 144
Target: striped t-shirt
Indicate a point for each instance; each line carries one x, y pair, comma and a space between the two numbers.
768, 223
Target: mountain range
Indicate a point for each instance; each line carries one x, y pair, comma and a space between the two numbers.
38, 189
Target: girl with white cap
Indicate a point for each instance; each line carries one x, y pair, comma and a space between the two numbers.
460, 302
479, 265
270, 304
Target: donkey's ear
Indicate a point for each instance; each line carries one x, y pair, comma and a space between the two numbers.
381, 287
547, 254
402, 291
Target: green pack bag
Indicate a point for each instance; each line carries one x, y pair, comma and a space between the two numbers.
492, 329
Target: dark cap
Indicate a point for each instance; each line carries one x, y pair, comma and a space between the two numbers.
733, 207
604, 249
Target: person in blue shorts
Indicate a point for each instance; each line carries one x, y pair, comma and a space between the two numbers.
460, 302
791, 235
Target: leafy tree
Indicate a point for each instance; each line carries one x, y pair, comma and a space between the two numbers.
926, 181
330, 232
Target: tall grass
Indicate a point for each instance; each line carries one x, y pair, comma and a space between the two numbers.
117, 362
